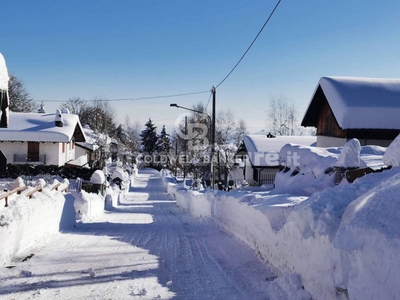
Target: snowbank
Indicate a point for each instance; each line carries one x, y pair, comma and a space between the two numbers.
343, 241
307, 169
392, 155
28, 223
350, 155
88, 206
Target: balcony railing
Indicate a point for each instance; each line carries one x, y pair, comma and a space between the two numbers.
29, 159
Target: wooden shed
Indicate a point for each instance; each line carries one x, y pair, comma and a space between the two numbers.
343, 108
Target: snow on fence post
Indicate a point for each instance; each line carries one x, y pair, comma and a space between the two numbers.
40, 183
64, 185
56, 186
17, 187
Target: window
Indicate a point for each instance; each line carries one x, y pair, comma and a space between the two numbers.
63, 147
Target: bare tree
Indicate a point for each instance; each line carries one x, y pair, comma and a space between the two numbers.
282, 116
133, 131
224, 127
240, 131
76, 105
19, 97
100, 116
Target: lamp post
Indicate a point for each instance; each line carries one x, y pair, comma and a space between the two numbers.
193, 110
210, 133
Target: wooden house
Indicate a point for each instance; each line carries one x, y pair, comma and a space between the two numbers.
343, 108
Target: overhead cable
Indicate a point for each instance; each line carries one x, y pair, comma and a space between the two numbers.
266, 22
131, 99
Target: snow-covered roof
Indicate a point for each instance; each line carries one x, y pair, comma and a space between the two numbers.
92, 139
260, 147
35, 127
3, 74
358, 103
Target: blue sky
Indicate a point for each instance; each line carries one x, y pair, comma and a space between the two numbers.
129, 49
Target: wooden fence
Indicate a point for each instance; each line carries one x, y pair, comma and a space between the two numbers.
92, 188
353, 174
18, 190
263, 179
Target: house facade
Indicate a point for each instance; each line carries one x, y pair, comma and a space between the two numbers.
34, 138
343, 108
260, 155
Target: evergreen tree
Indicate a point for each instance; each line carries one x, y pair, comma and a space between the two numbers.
163, 143
149, 138
120, 134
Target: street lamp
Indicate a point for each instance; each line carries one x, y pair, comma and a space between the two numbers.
193, 110
211, 124
196, 111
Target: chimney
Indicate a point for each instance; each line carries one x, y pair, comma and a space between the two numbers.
58, 120
270, 135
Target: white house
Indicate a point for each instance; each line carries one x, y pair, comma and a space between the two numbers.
343, 108
260, 154
36, 138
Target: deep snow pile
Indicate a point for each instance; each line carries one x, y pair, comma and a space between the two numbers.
392, 157
29, 222
343, 240
311, 169
3, 74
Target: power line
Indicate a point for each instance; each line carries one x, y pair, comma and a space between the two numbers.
183, 94
132, 99
266, 22
208, 101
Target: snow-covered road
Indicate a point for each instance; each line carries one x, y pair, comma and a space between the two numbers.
147, 248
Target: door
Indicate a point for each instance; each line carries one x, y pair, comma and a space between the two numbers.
33, 151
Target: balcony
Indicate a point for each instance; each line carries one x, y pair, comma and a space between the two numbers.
30, 159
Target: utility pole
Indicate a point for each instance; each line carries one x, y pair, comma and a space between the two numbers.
214, 92
184, 164
176, 154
